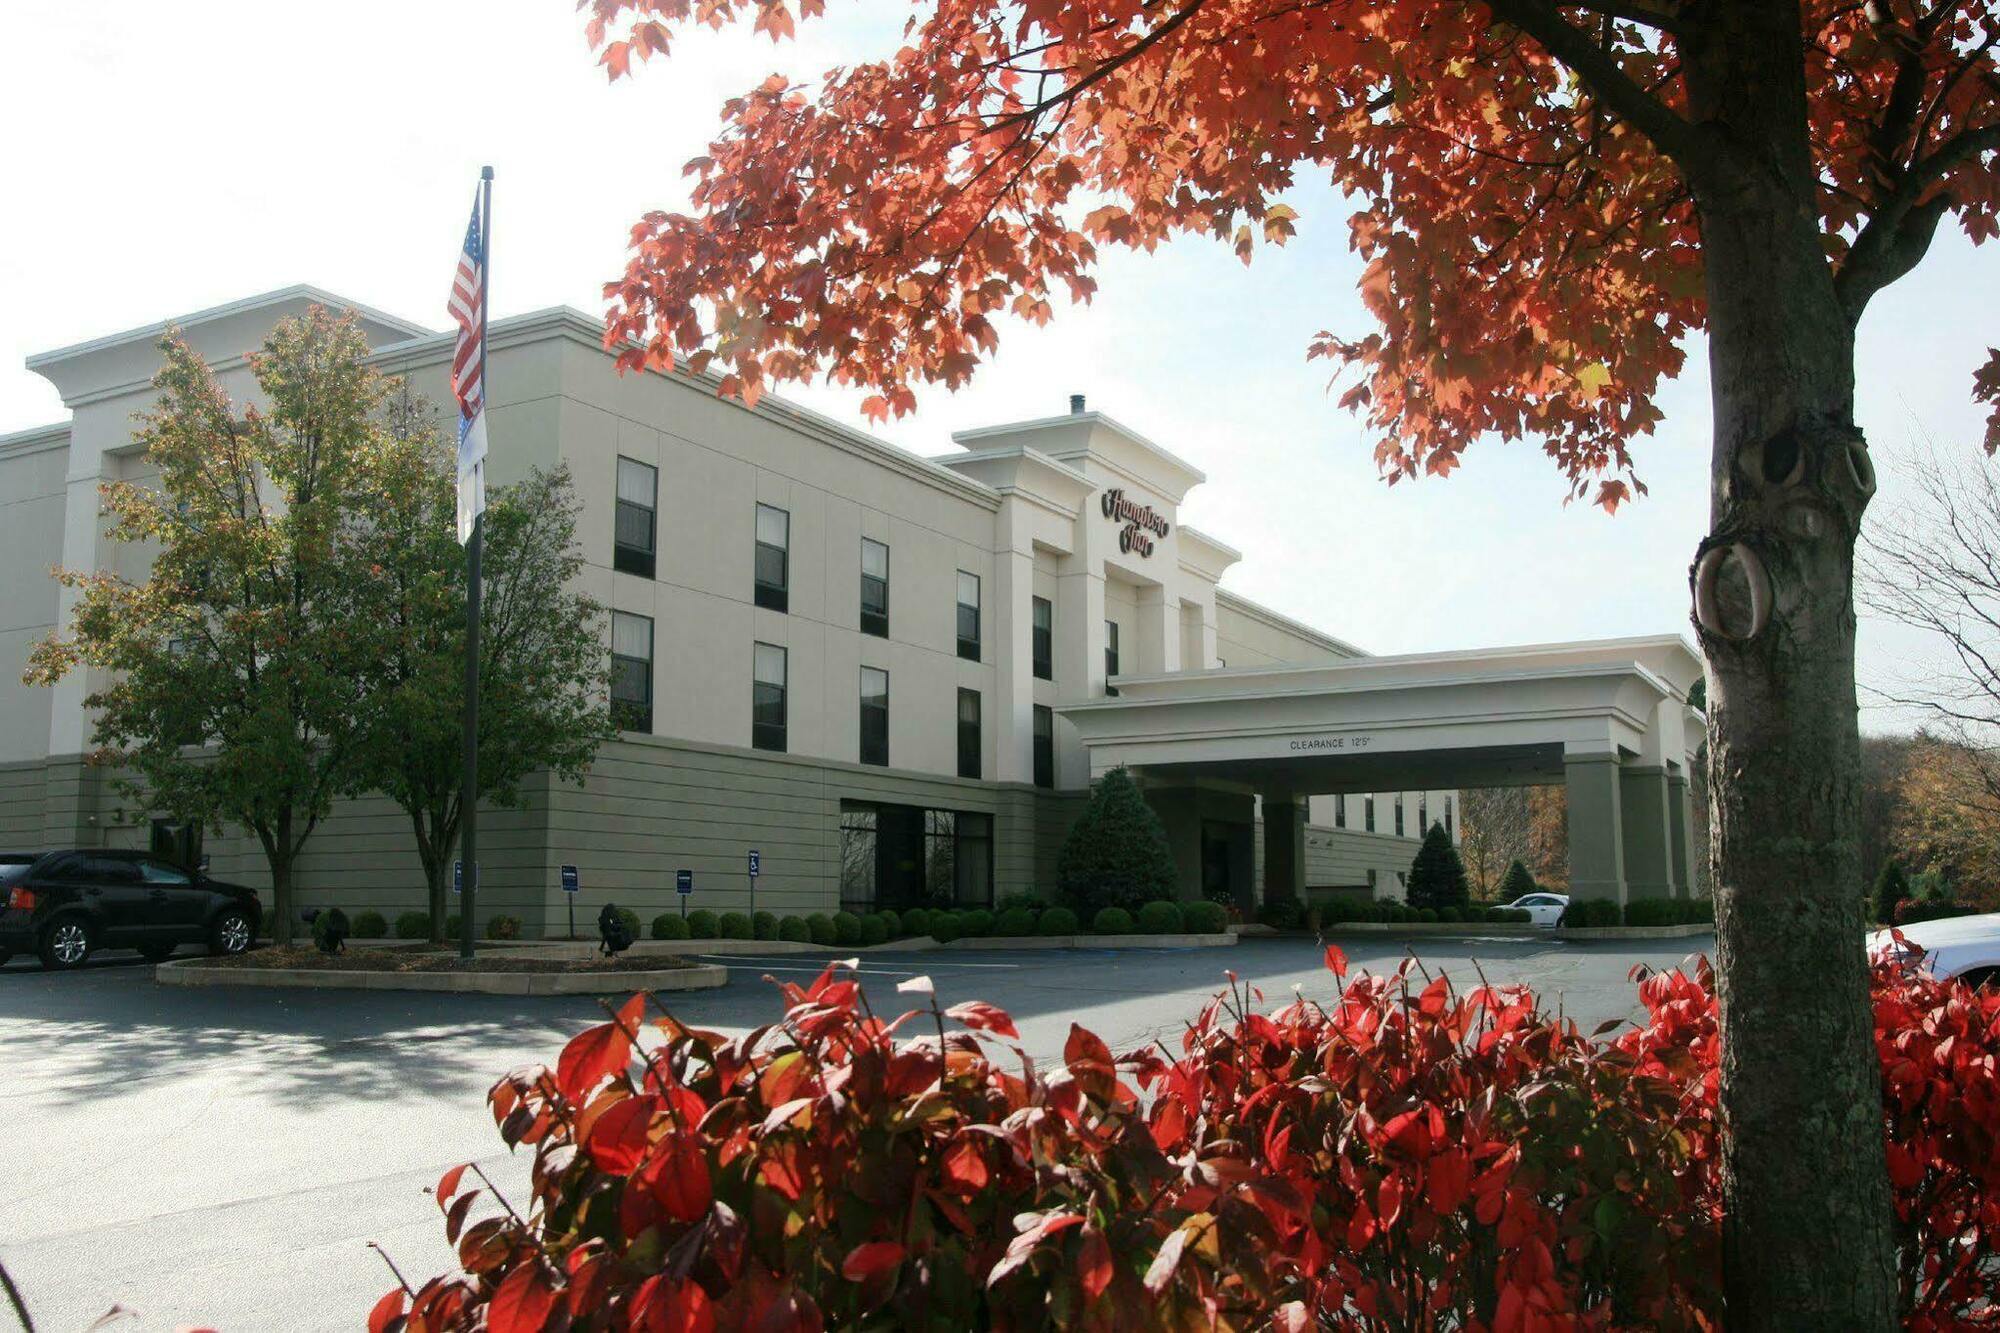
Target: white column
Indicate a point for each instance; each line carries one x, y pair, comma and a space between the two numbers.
82, 549
1159, 630
1014, 650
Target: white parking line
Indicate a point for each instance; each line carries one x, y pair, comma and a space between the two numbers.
790, 963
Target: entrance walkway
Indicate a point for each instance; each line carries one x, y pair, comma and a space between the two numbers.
1607, 718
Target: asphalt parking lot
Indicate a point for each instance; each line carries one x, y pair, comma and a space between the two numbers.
224, 1157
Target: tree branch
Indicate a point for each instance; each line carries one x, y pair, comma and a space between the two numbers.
1631, 11
1600, 72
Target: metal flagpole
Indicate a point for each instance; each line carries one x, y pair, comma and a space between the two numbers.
468, 799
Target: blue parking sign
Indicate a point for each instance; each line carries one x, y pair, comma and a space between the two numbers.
753, 863
571, 881
684, 882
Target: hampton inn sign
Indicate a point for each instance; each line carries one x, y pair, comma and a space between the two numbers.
1138, 520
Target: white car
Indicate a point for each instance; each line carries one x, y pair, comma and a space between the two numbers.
1966, 947
1543, 909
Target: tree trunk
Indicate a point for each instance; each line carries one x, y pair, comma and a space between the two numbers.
434, 841
280, 856
1807, 1239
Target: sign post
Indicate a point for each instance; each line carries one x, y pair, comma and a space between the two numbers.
684, 886
572, 883
754, 870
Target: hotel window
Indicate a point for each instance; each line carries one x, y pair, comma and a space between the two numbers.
767, 698
874, 588
968, 616
968, 733
631, 671
1045, 639
1045, 746
874, 716
774, 545
1110, 653
1368, 813
1450, 831
635, 535
1424, 814
1340, 812
1399, 814
958, 858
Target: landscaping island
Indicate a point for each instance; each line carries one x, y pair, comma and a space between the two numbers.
521, 970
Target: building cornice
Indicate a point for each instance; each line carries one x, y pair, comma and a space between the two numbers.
35, 440
151, 332
573, 325
1243, 605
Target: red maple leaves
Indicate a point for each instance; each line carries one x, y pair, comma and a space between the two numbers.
1533, 259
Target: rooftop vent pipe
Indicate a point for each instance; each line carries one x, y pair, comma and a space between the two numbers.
1076, 404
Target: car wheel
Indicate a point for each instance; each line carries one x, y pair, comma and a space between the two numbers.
157, 953
230, 933
65, 943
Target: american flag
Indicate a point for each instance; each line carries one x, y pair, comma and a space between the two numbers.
467, 307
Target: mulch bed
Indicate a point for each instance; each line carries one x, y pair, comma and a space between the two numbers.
307, 958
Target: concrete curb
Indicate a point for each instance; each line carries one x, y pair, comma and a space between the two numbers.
1517, 930
1221, 939
1679, 932
698, 976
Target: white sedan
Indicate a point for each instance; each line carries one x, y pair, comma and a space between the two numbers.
1966, 947
1543, 909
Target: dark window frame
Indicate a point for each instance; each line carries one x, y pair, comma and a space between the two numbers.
626, 557
874, 729
1042, 618
1399, 814
772, 596
970, 739
633, 714
875, 619
1340, 812
1110, 654
766, 734
968, 644
1043, 725
1368, 812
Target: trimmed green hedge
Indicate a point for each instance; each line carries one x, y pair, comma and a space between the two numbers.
893, 921
368, 926
735, 926
795, 929
1160, 918
1592, 912
1015, 921
1204, 917
1112, 921
846, 929
874, 930
976, 924
917, 921
764, 925
1057, 921
820, 926
413, 926
669, 926
701, 924
944, 926
504, 927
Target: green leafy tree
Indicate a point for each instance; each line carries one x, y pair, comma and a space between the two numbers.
230, 673
1516, 882
1891, 888
1437, 876
543, 688
1116, 854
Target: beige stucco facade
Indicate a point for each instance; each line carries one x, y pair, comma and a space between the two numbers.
1074, 511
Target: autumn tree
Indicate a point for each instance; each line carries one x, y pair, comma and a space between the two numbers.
233, 675
1947, 813
543, 691
1548, 198
1493, 829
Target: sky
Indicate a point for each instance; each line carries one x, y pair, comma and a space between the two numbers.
160, 159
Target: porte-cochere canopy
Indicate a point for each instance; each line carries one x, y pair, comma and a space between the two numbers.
1608, 718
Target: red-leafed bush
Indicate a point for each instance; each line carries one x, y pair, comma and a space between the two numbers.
1405, 1156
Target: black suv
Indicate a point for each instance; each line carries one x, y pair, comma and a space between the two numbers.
63, 905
